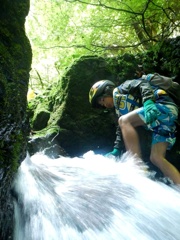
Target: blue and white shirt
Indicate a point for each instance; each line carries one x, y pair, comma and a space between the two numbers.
124, 103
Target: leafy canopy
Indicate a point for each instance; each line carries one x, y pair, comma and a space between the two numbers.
62, 30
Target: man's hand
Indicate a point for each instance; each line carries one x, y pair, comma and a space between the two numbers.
151, 111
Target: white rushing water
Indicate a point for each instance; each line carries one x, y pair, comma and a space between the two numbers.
92, 198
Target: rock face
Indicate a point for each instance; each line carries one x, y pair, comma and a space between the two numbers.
15, 61
73, 124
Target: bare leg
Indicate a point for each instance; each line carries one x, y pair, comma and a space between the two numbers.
157, 157
127, 124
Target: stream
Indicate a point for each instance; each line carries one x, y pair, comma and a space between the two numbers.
93, 198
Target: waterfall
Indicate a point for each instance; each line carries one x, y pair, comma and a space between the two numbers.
92, 198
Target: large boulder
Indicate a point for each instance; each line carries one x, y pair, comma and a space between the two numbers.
15, 62
73, 124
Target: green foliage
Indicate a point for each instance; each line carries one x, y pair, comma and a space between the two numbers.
61, 31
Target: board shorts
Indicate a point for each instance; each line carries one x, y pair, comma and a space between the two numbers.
164, 127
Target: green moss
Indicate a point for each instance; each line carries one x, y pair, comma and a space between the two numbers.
16, 152
51, 129
11, 152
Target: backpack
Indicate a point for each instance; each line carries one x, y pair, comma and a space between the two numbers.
166, 83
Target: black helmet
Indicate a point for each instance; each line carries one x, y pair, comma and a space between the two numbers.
97, 90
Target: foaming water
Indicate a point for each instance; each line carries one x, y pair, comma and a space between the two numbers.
92, 198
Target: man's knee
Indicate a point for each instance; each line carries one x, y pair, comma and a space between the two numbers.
122, 121
156, 158
153, 158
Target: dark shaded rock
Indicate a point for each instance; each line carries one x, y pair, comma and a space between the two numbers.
46, 146
80, 127
40, 119
15, 62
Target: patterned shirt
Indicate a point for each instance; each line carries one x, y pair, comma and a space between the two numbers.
124, 103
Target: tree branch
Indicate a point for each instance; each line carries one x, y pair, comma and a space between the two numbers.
105, 6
